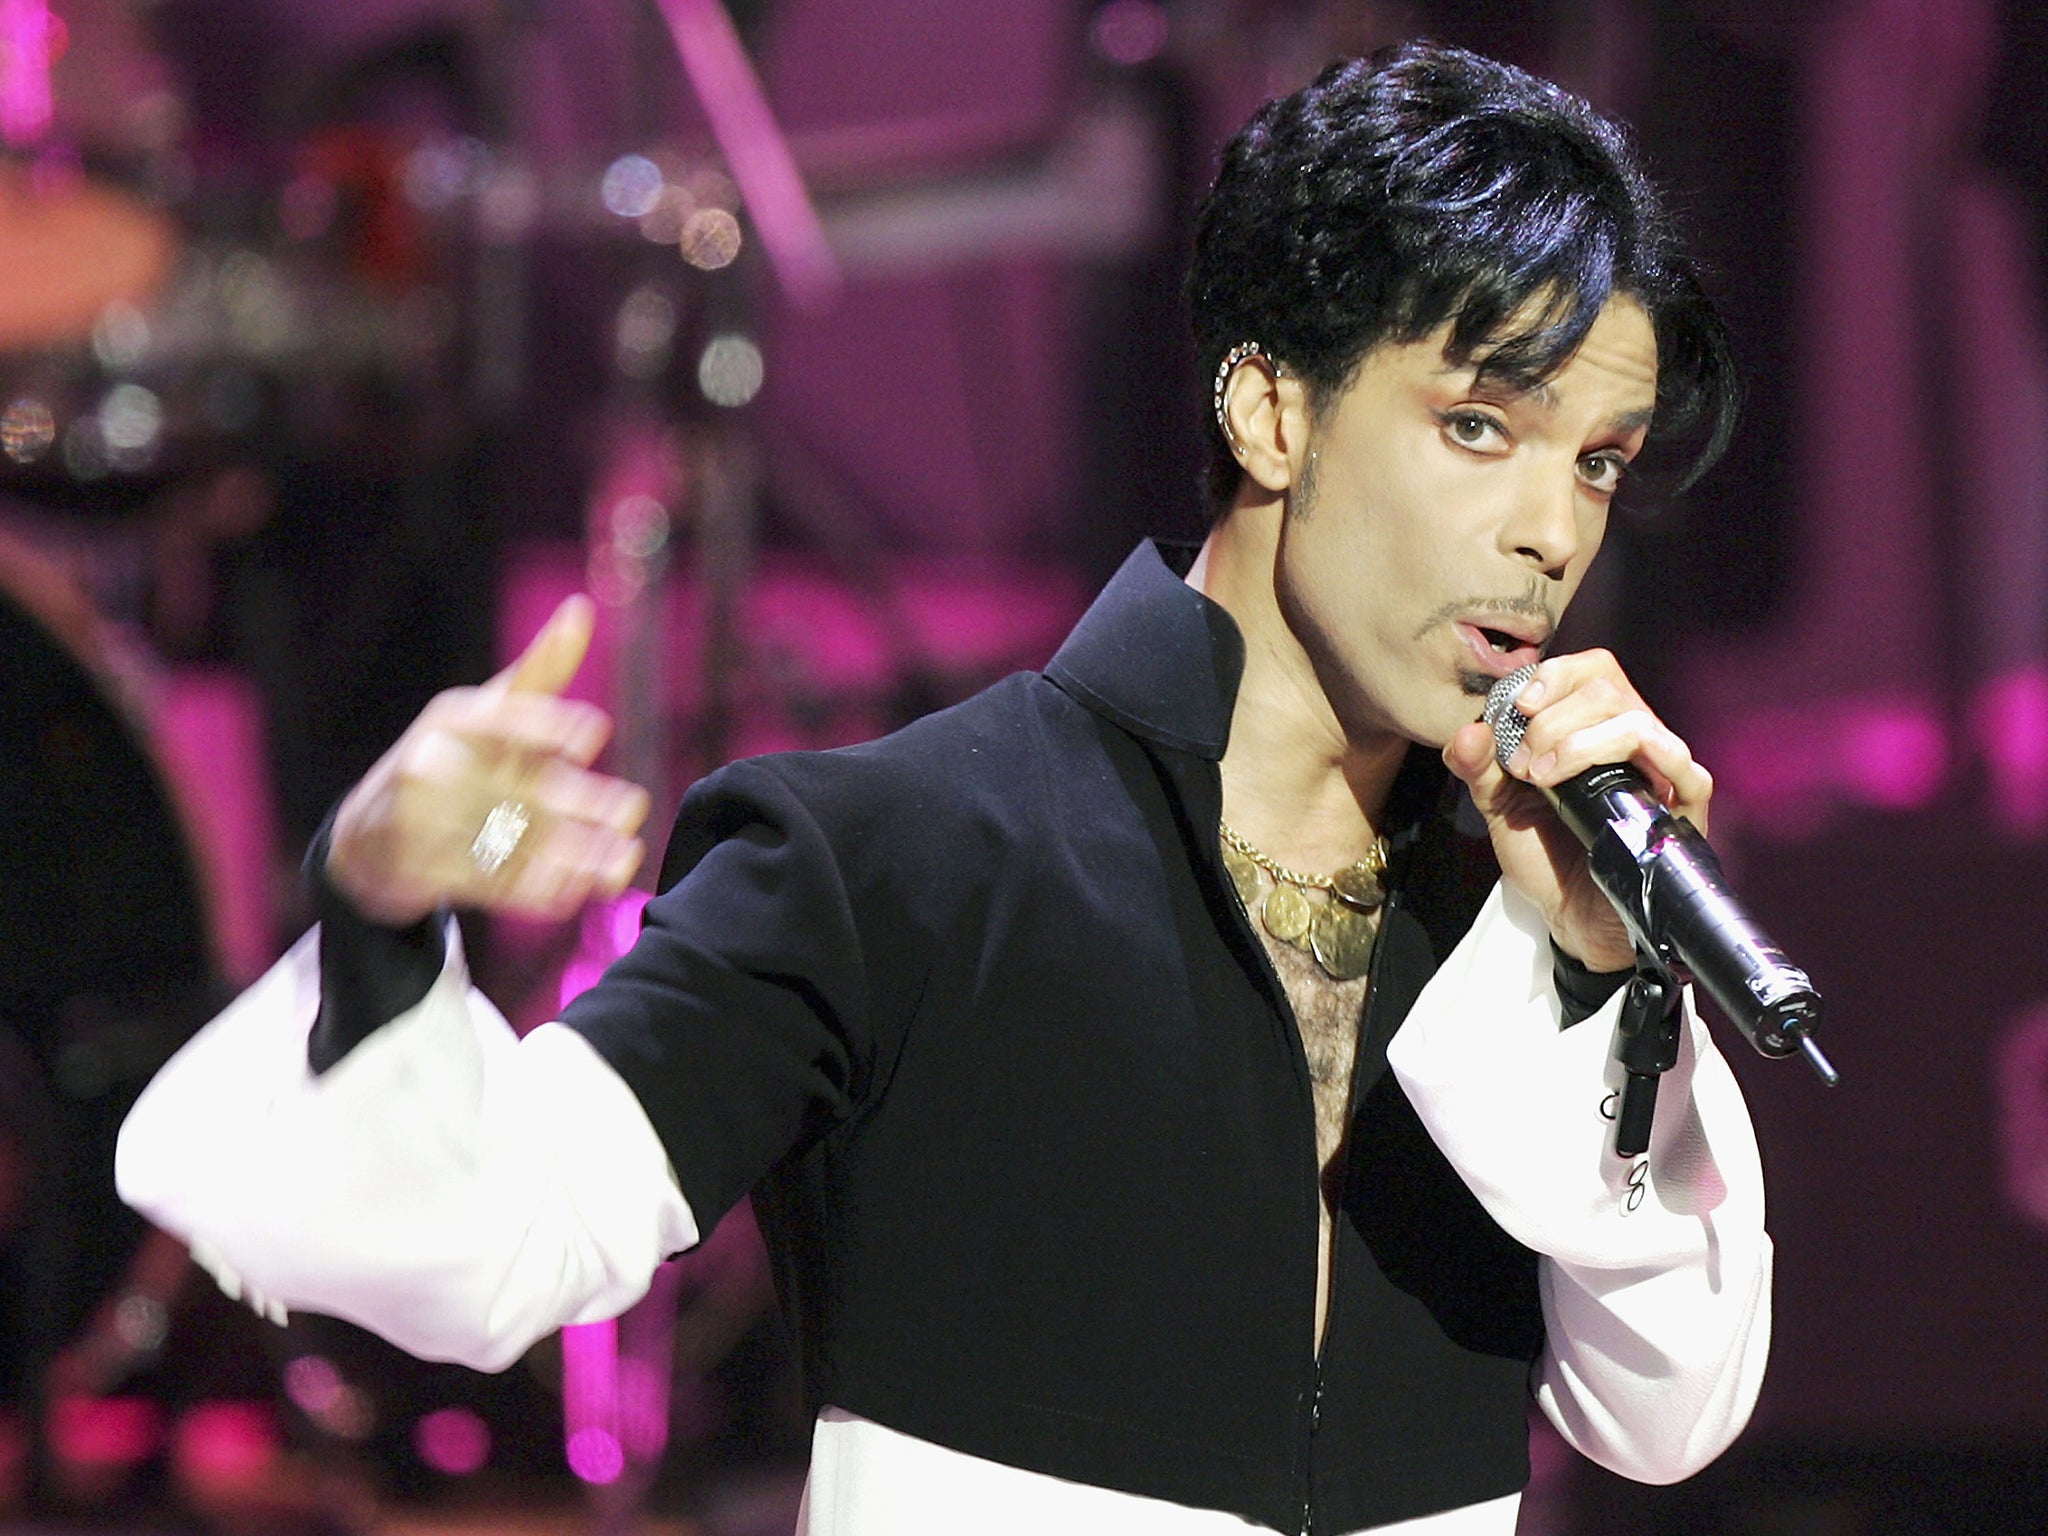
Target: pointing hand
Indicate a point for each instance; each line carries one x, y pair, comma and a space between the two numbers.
488, 799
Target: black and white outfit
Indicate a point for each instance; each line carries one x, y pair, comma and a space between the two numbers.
976, 1015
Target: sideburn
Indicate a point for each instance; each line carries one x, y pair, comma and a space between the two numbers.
1301, 500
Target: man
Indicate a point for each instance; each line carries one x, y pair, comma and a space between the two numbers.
1053, 1033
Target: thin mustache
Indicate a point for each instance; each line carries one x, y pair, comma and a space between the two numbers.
1530, 605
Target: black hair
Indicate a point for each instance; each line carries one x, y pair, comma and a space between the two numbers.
1428, 186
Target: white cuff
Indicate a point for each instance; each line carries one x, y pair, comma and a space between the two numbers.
456, 1189
1655, 1275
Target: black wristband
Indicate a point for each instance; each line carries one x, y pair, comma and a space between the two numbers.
369, 974
1580, 991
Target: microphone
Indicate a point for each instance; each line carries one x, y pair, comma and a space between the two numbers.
1666, 883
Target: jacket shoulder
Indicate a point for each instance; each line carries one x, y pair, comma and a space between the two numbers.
953, 778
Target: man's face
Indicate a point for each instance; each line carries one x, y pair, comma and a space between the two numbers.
1440, 523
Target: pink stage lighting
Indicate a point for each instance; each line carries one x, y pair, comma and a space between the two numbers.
590, 1401
29, 37
452, 1441
1130, 32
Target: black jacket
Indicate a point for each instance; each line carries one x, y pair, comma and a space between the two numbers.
975, 1013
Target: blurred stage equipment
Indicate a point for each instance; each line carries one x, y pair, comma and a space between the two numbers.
755, 149
617, 1376
104, 971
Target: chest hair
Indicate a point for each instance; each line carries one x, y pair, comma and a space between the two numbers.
1329, 1014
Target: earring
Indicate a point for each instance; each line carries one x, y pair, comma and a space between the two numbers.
1243, 352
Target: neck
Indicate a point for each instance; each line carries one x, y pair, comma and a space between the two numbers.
1298, 784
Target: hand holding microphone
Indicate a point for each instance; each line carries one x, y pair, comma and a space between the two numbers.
1661, 877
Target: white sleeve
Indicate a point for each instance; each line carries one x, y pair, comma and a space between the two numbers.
1655, 1272
448, 1185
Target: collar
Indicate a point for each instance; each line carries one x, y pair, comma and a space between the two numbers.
1155, 656
1163, 662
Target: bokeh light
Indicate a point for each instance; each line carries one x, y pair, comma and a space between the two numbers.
120, 337
509, 205
632, 186
324, 1396
131, 423
596, 1456
27, 429
312, 1383
453, 1441
731, 371
644, 332
225, 1443
440, 171
662, 223
710, 239
1129, 32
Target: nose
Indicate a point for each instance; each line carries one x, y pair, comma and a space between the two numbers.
1542, 529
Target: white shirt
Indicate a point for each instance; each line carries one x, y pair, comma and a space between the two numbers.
463, 1192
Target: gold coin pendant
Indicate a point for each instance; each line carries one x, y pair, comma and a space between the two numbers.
1287, 915
1341, 937
1244, 874
1359, 885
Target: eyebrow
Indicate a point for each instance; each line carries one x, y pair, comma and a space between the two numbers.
1545, 396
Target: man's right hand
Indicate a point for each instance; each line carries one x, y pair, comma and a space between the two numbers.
402, 840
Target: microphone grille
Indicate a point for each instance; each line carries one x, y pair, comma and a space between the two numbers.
1508, 723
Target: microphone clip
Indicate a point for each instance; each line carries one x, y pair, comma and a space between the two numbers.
1647, 1047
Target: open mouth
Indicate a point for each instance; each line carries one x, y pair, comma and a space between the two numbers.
1497, 652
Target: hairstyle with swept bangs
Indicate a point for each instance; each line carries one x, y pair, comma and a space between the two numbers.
1429, 186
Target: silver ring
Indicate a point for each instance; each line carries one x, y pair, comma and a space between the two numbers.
498, 838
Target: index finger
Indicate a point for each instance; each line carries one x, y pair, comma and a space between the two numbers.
552, 656
1558, 676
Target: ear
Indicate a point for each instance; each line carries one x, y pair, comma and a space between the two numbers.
1267, 415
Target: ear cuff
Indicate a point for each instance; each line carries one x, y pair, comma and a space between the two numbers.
1243, 352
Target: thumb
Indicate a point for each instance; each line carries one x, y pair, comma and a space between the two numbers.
1469, 754
1499, 796
552, 656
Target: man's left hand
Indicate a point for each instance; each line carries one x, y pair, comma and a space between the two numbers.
1583, 712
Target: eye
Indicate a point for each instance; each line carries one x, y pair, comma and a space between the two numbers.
1480, 431
1604, 471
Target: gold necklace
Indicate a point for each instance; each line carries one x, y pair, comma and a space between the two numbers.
1338, 930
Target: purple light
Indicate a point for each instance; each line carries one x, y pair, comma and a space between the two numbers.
2010, 719
104, 1431
1897, 757
609, 929
596, 1456
453, 1441
319, 1391
1129, 32
643, 1407
313, 1384
27, 30
625, 919
579, 976
226, 1443
1791, 769
590, 1393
